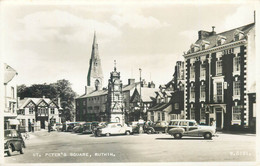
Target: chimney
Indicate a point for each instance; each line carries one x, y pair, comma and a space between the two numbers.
213, 32
131, 81
203, 34
59, 102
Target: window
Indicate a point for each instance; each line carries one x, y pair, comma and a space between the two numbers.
192, 113
236, 112
152, 116
159, 116
219, 67
191, 124
163, 116
31, 110
52, 111
183, 123
236, 88
12, 92
236, 64
176, 106
192, 92
203, 114
219, 92
84, 102
192, 72
202, 70
219, 42
203, 91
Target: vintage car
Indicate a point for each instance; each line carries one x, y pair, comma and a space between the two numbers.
134, 126
96, 127
13, 141
114, 129
179, 128
78, 127
158, 127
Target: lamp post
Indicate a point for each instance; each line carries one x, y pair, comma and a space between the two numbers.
141, 121
140, 98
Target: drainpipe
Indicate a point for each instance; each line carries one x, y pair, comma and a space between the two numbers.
209, 83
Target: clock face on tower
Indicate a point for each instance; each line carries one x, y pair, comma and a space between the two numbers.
116, 88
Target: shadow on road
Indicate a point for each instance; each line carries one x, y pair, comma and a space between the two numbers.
185, 139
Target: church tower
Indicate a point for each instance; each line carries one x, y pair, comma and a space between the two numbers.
95, 74
115, 98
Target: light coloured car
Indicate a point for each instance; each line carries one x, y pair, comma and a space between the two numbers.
114, 129
179, 128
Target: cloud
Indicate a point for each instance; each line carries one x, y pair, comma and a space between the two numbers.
242, 16
61, 25
134, 19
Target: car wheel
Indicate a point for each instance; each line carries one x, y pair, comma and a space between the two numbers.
21, 150
10, 150
107, 134
177, 136
207, 136
127, 133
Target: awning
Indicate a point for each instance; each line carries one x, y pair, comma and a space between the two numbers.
13, 122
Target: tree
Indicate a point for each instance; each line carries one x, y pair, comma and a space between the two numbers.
61, 89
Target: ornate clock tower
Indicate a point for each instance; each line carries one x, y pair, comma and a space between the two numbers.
115, 98
95, 74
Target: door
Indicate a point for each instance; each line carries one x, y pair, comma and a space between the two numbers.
219, 120
192, 129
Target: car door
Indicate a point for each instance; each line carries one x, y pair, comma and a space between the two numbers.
121, 129
192, 129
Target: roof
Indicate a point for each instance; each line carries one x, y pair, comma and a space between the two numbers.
105, 92
9, 73
229, 35
148, 93
22, 103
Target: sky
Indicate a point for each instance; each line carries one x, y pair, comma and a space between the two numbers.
48, 41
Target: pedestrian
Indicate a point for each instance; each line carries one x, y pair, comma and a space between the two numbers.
30, 126
33, 126
49, 127
213, 124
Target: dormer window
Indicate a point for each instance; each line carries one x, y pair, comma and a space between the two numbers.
238, 35
204, 44
221, 40
194, 48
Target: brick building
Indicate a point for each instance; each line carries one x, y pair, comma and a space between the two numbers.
219, 70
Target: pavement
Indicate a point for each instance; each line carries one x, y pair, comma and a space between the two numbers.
67, 147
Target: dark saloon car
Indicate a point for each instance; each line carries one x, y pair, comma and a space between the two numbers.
13, 141
159, 127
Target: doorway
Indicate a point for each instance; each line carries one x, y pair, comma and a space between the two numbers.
219, 120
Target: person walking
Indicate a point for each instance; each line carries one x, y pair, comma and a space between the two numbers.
32, 126
49, 127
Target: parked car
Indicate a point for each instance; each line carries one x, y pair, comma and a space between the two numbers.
71, 125
96, 127
87, 128
13, 141
134, 126
114, 129
57, 127
78, 127
179, 128
157, 127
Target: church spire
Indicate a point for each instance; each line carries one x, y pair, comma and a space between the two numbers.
95, 74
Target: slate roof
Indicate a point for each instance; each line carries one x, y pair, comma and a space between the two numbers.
9, 73
104, 92
228, 34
